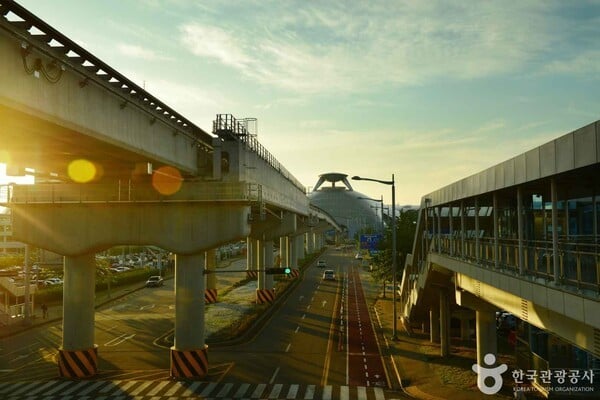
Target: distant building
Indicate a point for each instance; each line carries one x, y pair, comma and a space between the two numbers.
349, 208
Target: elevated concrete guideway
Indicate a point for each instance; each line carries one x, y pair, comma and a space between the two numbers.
157, 179
522, 237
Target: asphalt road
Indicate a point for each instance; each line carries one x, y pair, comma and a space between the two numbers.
310, 347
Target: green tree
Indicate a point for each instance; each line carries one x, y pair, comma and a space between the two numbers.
405, 234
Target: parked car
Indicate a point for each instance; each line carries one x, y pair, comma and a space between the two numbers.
154, 281
53, 281
328, 275
358, 256
321, 264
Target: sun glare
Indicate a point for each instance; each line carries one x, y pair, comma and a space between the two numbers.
82, 171
167, 180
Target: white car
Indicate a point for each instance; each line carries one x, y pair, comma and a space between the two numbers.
321, 264
329, 275
53, 281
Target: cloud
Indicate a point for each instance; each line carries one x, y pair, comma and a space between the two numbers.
587, 63
215, 43
340, 47
134, 51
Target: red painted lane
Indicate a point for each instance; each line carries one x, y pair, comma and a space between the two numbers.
364, 362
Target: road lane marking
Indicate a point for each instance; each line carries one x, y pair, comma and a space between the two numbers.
288, 347
303, 316
148, 307
118, 340
209, 388
274, 375
323, 303
297, 329
378, 393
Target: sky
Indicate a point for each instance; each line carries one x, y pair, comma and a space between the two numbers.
430, 91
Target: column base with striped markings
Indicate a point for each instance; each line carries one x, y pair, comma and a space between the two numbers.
251, 274
78, 364
295, 273
210, 296
265, 296
186, 364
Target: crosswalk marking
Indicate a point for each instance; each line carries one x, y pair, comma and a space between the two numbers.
344, 393
310, 392
258, 391
141, 388
169, 389
226, 389
242, 390
275, 392
361, 391
327, 392
293, 391
191, 389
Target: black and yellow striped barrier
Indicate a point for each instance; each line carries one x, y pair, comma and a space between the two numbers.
189, 363
77, 364
251, 274
265, 296
210, 296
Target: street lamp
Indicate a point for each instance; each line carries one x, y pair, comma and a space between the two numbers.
394, 258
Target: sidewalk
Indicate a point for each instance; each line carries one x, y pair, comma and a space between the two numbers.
55, 310
424, 374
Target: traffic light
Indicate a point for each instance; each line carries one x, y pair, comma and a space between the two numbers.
277, 271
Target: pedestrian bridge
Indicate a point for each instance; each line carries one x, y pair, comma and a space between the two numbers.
521, 236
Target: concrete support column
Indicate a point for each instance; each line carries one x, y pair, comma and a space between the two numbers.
188, 354
444, 324
299, 253
487, 343
250, 256
434, 231
309, 243
210, 294
260, 264
78, 355
284, 254
269, 263
434, 324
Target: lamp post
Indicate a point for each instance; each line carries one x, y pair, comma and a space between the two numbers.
394, 257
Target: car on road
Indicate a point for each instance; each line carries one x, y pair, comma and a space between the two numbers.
329, 275
154, 281
53, 281
321, 264
358, 256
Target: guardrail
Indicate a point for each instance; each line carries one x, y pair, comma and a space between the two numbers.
226, 125
126, 192
579, 261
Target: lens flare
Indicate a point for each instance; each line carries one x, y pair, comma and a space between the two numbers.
82, 171
167, 180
